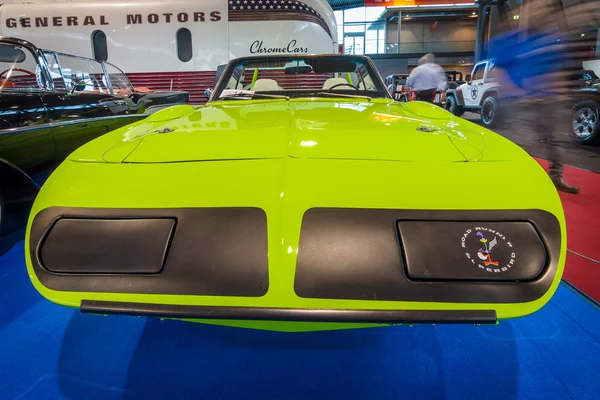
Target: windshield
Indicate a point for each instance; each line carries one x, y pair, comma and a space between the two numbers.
287, 77
77, 69
119, 81
66, 70
18, 69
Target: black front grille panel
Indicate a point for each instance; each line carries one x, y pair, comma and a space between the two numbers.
355, 254
193, 251
368, 254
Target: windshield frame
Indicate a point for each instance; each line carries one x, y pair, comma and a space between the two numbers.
45, 53
130, 85
372, 71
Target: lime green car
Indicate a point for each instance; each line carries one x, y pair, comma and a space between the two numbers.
300, 197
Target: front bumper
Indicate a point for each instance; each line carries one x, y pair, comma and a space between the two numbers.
349, 265
290, 314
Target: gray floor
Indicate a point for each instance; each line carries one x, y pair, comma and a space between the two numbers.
576, 155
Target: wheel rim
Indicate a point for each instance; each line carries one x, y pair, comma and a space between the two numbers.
585, 122
450, 105
488, 113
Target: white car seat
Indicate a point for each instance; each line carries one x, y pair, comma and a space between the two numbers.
329, 83
265, 85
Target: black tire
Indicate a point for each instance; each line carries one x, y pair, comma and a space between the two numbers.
489, 112
2, 212
585, 123
17, 194
452, 106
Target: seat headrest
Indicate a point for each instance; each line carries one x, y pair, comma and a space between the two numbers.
329, 83
263, 85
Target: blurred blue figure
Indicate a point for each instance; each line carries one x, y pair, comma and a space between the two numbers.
538, 63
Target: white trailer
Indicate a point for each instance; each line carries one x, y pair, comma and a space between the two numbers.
176, 44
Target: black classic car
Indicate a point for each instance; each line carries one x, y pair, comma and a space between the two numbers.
50, 104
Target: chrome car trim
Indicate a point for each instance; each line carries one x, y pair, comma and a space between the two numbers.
52, 125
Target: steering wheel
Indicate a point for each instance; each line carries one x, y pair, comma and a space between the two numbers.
343, 84
17, 69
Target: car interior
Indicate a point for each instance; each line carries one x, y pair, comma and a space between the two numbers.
317, 74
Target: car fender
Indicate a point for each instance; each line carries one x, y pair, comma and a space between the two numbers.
494, 91
458, 94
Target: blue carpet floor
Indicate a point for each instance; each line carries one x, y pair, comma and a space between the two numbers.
50, 352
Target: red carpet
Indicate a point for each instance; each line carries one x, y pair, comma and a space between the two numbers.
583, 225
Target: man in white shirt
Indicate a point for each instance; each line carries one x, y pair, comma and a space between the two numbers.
427, 79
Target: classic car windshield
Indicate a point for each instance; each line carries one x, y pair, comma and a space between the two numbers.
18, 69
119, 81
285, 77
66, 70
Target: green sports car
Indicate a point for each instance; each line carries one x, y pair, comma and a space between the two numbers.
300, 197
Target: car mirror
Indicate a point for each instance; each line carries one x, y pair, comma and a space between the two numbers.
208, 92
10, 54
78, 86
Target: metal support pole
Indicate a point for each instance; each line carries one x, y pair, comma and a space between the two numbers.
385, 37
399, 30
480, 34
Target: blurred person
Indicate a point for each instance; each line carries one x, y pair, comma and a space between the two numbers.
427, 79
538, 63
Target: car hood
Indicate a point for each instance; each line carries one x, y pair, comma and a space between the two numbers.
310, 128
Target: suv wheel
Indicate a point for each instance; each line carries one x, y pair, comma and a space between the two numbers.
489, 112
453, 107
585, 124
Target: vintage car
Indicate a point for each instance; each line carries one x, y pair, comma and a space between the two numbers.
396, 85
50, 104
300, 197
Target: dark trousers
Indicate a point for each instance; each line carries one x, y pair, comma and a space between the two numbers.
545, 120
426, 95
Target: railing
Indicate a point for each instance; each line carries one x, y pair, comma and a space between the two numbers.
193, 82
430, 47
374, 46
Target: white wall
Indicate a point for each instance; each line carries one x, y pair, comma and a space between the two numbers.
593, 65
419, 31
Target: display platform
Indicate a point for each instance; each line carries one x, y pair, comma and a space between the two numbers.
51, 352
583, 223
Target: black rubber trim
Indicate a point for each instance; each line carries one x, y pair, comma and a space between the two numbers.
487, 92
460, 96
356, 254
291, 314
212, 252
